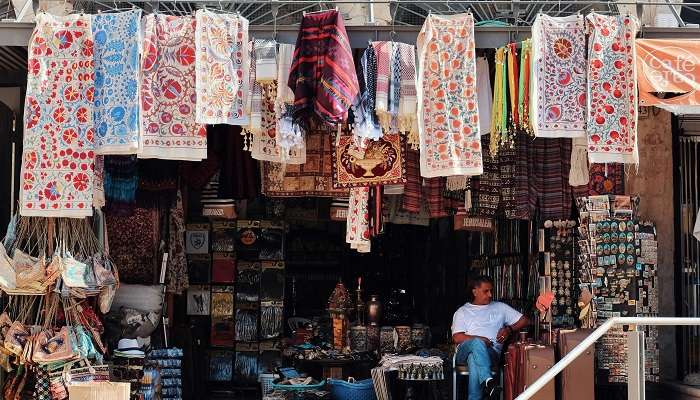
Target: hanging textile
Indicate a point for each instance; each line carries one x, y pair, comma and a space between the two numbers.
168, 92
407, 121
98, 182
223, 66
116, 104
603, 179
382, 162
558, 100
121, 180
411, 199
239, 177
157, 182
366, 125
311, 179
255, 110
383, 52
264, 144
578, 174
288, 136
670, 67
550, 193
394, 214
522, 175
499, 115
133, 244
177, 279
612, 89
358, 226
486, 188
448, 115
323, 54
484, 95
58, 155
513, 88
524, 123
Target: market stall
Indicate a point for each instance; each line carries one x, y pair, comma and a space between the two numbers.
207, 214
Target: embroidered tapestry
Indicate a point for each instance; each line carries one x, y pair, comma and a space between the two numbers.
58, 156
116, 112
358, 221
382, 163
223, 65
612, 89
168, 93
313, 178
448, 115
559, 76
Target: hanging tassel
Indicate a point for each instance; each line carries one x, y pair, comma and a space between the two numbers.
468, 199
456, 182
579, 173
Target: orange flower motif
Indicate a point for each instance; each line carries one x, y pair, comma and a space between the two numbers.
454, 111
470, 105
466, 130
439, 106
440, 94
440, 119
456, 124
434, 83
452, 86
456, 64
457, 137
447, 38
444, 56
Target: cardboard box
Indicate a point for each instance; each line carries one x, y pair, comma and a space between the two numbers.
99, 391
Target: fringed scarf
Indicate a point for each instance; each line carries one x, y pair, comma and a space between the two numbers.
383, 52
523, 122
255, 104
366, 125
121, 180
499, 114
407, 121
289, 138
512, 89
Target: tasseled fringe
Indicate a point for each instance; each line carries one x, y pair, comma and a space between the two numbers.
408, 125
457, 182
247, 139
468, 199
385, 119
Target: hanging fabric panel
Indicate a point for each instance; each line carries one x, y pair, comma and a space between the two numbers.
323, 75
448, 115
58, 156
116, 112
168, 94
612, 89
559, 76
223, 65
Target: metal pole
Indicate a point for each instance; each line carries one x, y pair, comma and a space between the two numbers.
635, 365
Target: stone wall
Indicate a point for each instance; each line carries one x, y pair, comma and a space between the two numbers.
654, 184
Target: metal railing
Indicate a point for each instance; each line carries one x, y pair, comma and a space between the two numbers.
635, 355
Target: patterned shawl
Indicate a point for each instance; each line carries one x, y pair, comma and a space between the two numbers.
558, 100
366, 125
383, 52
168, 94
255, 122
357, 227
407, 120
612, 89
265, 60
222, 66
323, 54
58, 156
116, 52
448, 115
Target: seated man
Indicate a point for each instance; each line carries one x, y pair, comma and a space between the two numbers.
479, 328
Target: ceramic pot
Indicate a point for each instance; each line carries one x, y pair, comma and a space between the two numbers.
374, 310
404, 342
387, 339
358, 338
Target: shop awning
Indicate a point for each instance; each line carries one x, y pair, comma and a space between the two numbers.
668, 74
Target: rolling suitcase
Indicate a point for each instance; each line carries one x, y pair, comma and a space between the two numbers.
510, 371
577, 380
537, 359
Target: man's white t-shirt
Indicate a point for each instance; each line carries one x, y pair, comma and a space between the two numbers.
484, 320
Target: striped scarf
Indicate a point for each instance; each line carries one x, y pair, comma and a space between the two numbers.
366, 125
407, 121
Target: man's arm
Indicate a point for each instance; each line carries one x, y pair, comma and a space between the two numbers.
507, 330
460, 337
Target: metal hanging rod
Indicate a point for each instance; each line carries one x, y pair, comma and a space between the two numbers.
594, 4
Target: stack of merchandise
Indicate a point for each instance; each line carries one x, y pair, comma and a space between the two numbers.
169, 361
618, 255
559, 264
128, 363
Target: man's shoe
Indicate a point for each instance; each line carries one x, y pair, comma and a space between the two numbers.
491, 390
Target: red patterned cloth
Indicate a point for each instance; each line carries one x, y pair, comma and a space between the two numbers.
604, 179
549, 164
323, 76
168, 93
58, 157
612, 89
